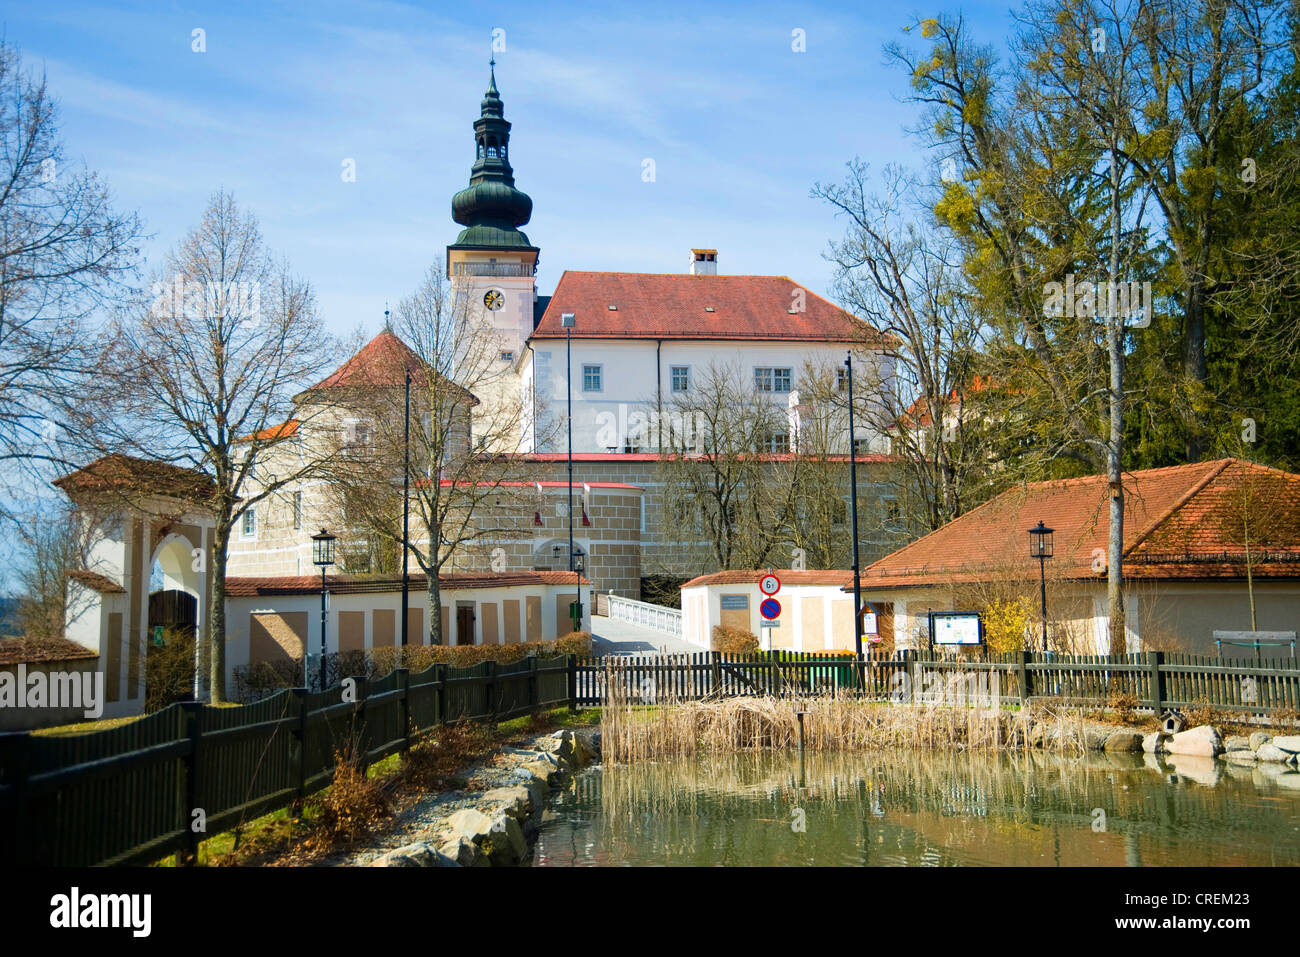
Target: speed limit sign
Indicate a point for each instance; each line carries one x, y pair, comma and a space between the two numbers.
769, 584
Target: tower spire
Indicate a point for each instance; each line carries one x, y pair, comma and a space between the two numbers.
491, 209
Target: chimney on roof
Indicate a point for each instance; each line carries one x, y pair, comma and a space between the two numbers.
704, 262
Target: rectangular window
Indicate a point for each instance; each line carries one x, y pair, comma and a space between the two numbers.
507, 355
772, 379
591, 378
842, 379
249, 527
297, 509
777, 442
681, 378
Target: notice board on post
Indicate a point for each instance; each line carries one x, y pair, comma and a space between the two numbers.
956, 628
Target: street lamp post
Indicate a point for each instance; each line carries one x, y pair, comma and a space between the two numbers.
322, 554
853, 504
566, 320
406, 516
1041, 547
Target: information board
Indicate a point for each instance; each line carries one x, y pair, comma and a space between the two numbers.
956, 628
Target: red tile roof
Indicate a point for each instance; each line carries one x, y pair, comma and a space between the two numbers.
383, 361
272, 432
100, 583
674, 306
349, 585
1182, 522
16, 651
788, 576
125, 473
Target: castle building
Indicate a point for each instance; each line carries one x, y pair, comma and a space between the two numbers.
649, 364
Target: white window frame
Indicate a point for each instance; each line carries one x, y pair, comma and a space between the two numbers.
248, 524
765, 379
672, 378
600, 376
771, 441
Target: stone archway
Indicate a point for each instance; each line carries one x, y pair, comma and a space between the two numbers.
552, 554
179, 605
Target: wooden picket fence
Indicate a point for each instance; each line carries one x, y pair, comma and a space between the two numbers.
130, 794
1154, 681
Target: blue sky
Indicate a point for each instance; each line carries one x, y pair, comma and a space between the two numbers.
739, 126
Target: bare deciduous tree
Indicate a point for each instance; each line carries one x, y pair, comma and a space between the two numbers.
465, 425
64, 253
204, 374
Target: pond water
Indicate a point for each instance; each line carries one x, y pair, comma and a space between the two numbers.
928, 809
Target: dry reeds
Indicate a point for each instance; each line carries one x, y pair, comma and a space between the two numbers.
632, 732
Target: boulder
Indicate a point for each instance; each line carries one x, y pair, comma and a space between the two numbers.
471, 823
1151, 743
1268, 752
1203, 741
506, 844
1123, 741
1095, 737
1236, 742
548, 772
1258, 738
462, 852
419, 854
1287, 742
1241, 757
559, 744
536, 787
517, 801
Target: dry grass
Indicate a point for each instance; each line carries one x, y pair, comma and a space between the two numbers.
353, 806
630, 734
436, 758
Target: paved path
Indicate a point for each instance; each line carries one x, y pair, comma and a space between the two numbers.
613, 637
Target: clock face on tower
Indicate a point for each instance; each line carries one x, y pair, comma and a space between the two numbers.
494, 299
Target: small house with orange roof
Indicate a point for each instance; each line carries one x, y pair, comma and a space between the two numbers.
1207, 546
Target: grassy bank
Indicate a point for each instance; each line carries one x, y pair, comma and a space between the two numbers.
359, 806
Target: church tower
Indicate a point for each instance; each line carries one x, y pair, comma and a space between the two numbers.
492, 262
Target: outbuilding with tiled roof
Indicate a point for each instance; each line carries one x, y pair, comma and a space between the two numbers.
1201, 541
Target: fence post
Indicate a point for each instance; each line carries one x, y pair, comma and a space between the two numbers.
299, 758
490, 685
19, 767
716, 686
404, 705
359, 725
1023, 672
573, 682
194, 731
533, 698
440, 713
1156, 680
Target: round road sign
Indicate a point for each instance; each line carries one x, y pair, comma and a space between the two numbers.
770, 608
769, 584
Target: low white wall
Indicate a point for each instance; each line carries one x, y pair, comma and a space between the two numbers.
813, 617
239, 611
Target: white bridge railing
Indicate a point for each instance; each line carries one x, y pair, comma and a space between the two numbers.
656, 617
